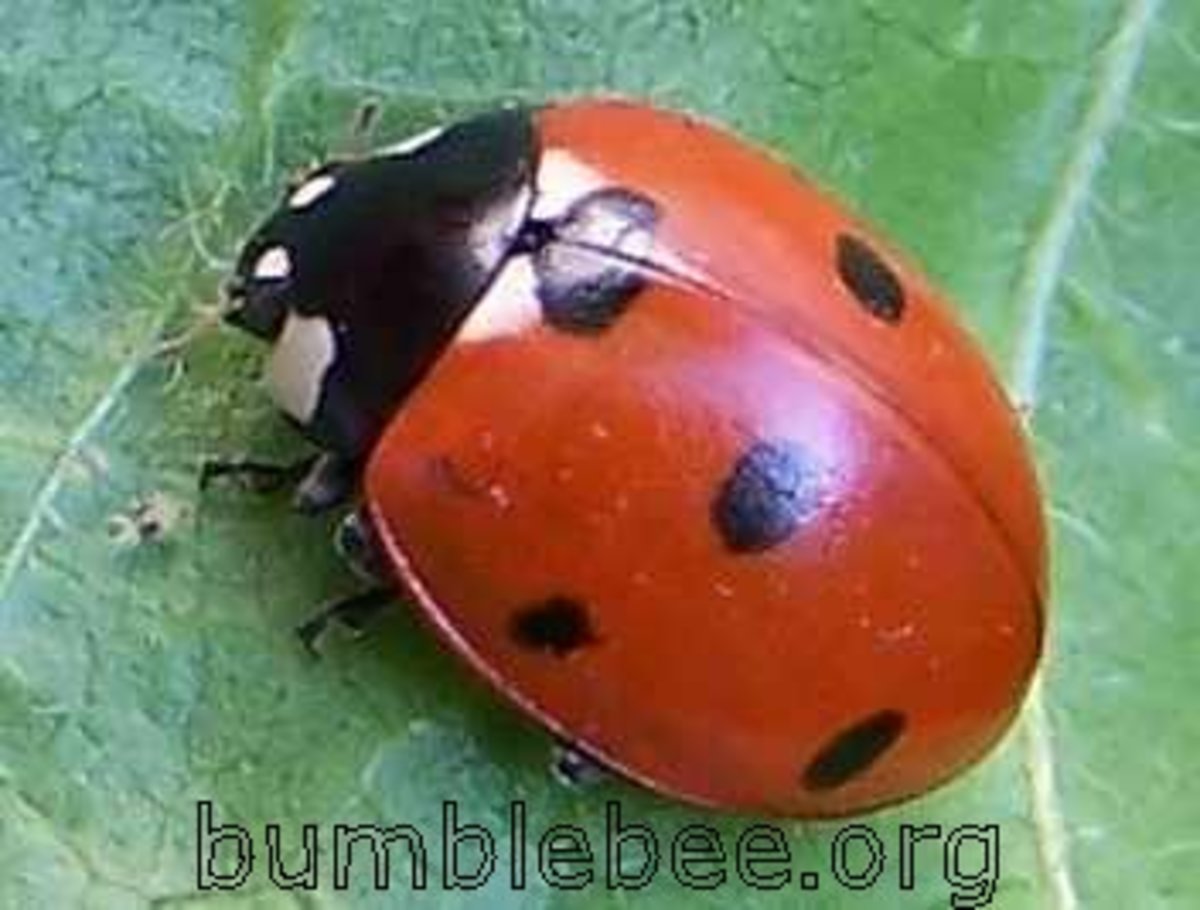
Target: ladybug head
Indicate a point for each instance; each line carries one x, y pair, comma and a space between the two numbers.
363, 273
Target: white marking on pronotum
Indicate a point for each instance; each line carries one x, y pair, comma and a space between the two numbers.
562, 180
274, 264
311, 190
490, 235
296, 368
508, 308
413, 144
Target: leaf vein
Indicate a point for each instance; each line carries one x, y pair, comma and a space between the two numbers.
1046, 261
43, 500
1035, 290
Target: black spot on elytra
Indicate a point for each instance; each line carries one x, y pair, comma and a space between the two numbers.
871, 280
582, 294
558, 626
854, 750
773, 489
586, 262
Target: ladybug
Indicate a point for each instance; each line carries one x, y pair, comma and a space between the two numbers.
675, 452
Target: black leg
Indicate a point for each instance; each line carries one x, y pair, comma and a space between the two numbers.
356, 543
258, 476
330, 481
575, 768
352, 612
320, 482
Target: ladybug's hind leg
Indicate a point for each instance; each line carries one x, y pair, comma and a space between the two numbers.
354, 613
355, 541
575, 768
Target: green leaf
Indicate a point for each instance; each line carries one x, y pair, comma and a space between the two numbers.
1042, 161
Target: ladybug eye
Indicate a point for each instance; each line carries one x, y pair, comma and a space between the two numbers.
255, 301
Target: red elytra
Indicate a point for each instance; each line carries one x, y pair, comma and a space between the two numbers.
708, 481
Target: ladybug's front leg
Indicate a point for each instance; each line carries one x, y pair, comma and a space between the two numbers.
320, 482
258, 476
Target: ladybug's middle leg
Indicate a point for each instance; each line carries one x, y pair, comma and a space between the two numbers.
356, 543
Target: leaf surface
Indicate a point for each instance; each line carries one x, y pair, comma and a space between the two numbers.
1041, 160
